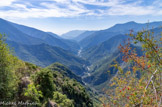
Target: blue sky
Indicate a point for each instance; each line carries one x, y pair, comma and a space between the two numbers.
60, 16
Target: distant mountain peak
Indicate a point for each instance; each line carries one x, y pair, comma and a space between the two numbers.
131, 22
72, 34
127, 23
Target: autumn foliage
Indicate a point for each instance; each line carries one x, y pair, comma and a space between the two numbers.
140, 83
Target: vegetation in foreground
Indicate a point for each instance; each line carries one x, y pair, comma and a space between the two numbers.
140, 85
27, 84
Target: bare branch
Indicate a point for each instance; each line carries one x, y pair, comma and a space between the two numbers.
149, 84
154, 89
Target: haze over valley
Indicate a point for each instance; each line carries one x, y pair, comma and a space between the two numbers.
88, 57
80, 53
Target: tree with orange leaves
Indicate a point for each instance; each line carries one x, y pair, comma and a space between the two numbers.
128, 89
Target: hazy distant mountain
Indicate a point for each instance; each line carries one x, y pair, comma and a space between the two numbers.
71, 43
16, 35
124, 28
103, 35
96, 38
44, 55
50, 39
72, 34
31, 36
83, 35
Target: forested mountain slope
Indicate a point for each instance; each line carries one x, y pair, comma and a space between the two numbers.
104, 49
44, 55
25, 82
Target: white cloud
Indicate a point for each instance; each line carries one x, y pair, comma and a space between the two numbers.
98, 3
73, 8
130, 10
6, 2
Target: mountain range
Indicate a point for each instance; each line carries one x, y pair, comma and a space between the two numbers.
87, 54
103, 35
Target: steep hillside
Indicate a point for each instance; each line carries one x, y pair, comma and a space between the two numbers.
104, 49
65, 71
98, 70
71, 43
16, 35
44, 55
99, 75
48, 38
68, 85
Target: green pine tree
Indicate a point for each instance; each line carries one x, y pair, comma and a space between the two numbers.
8, 82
